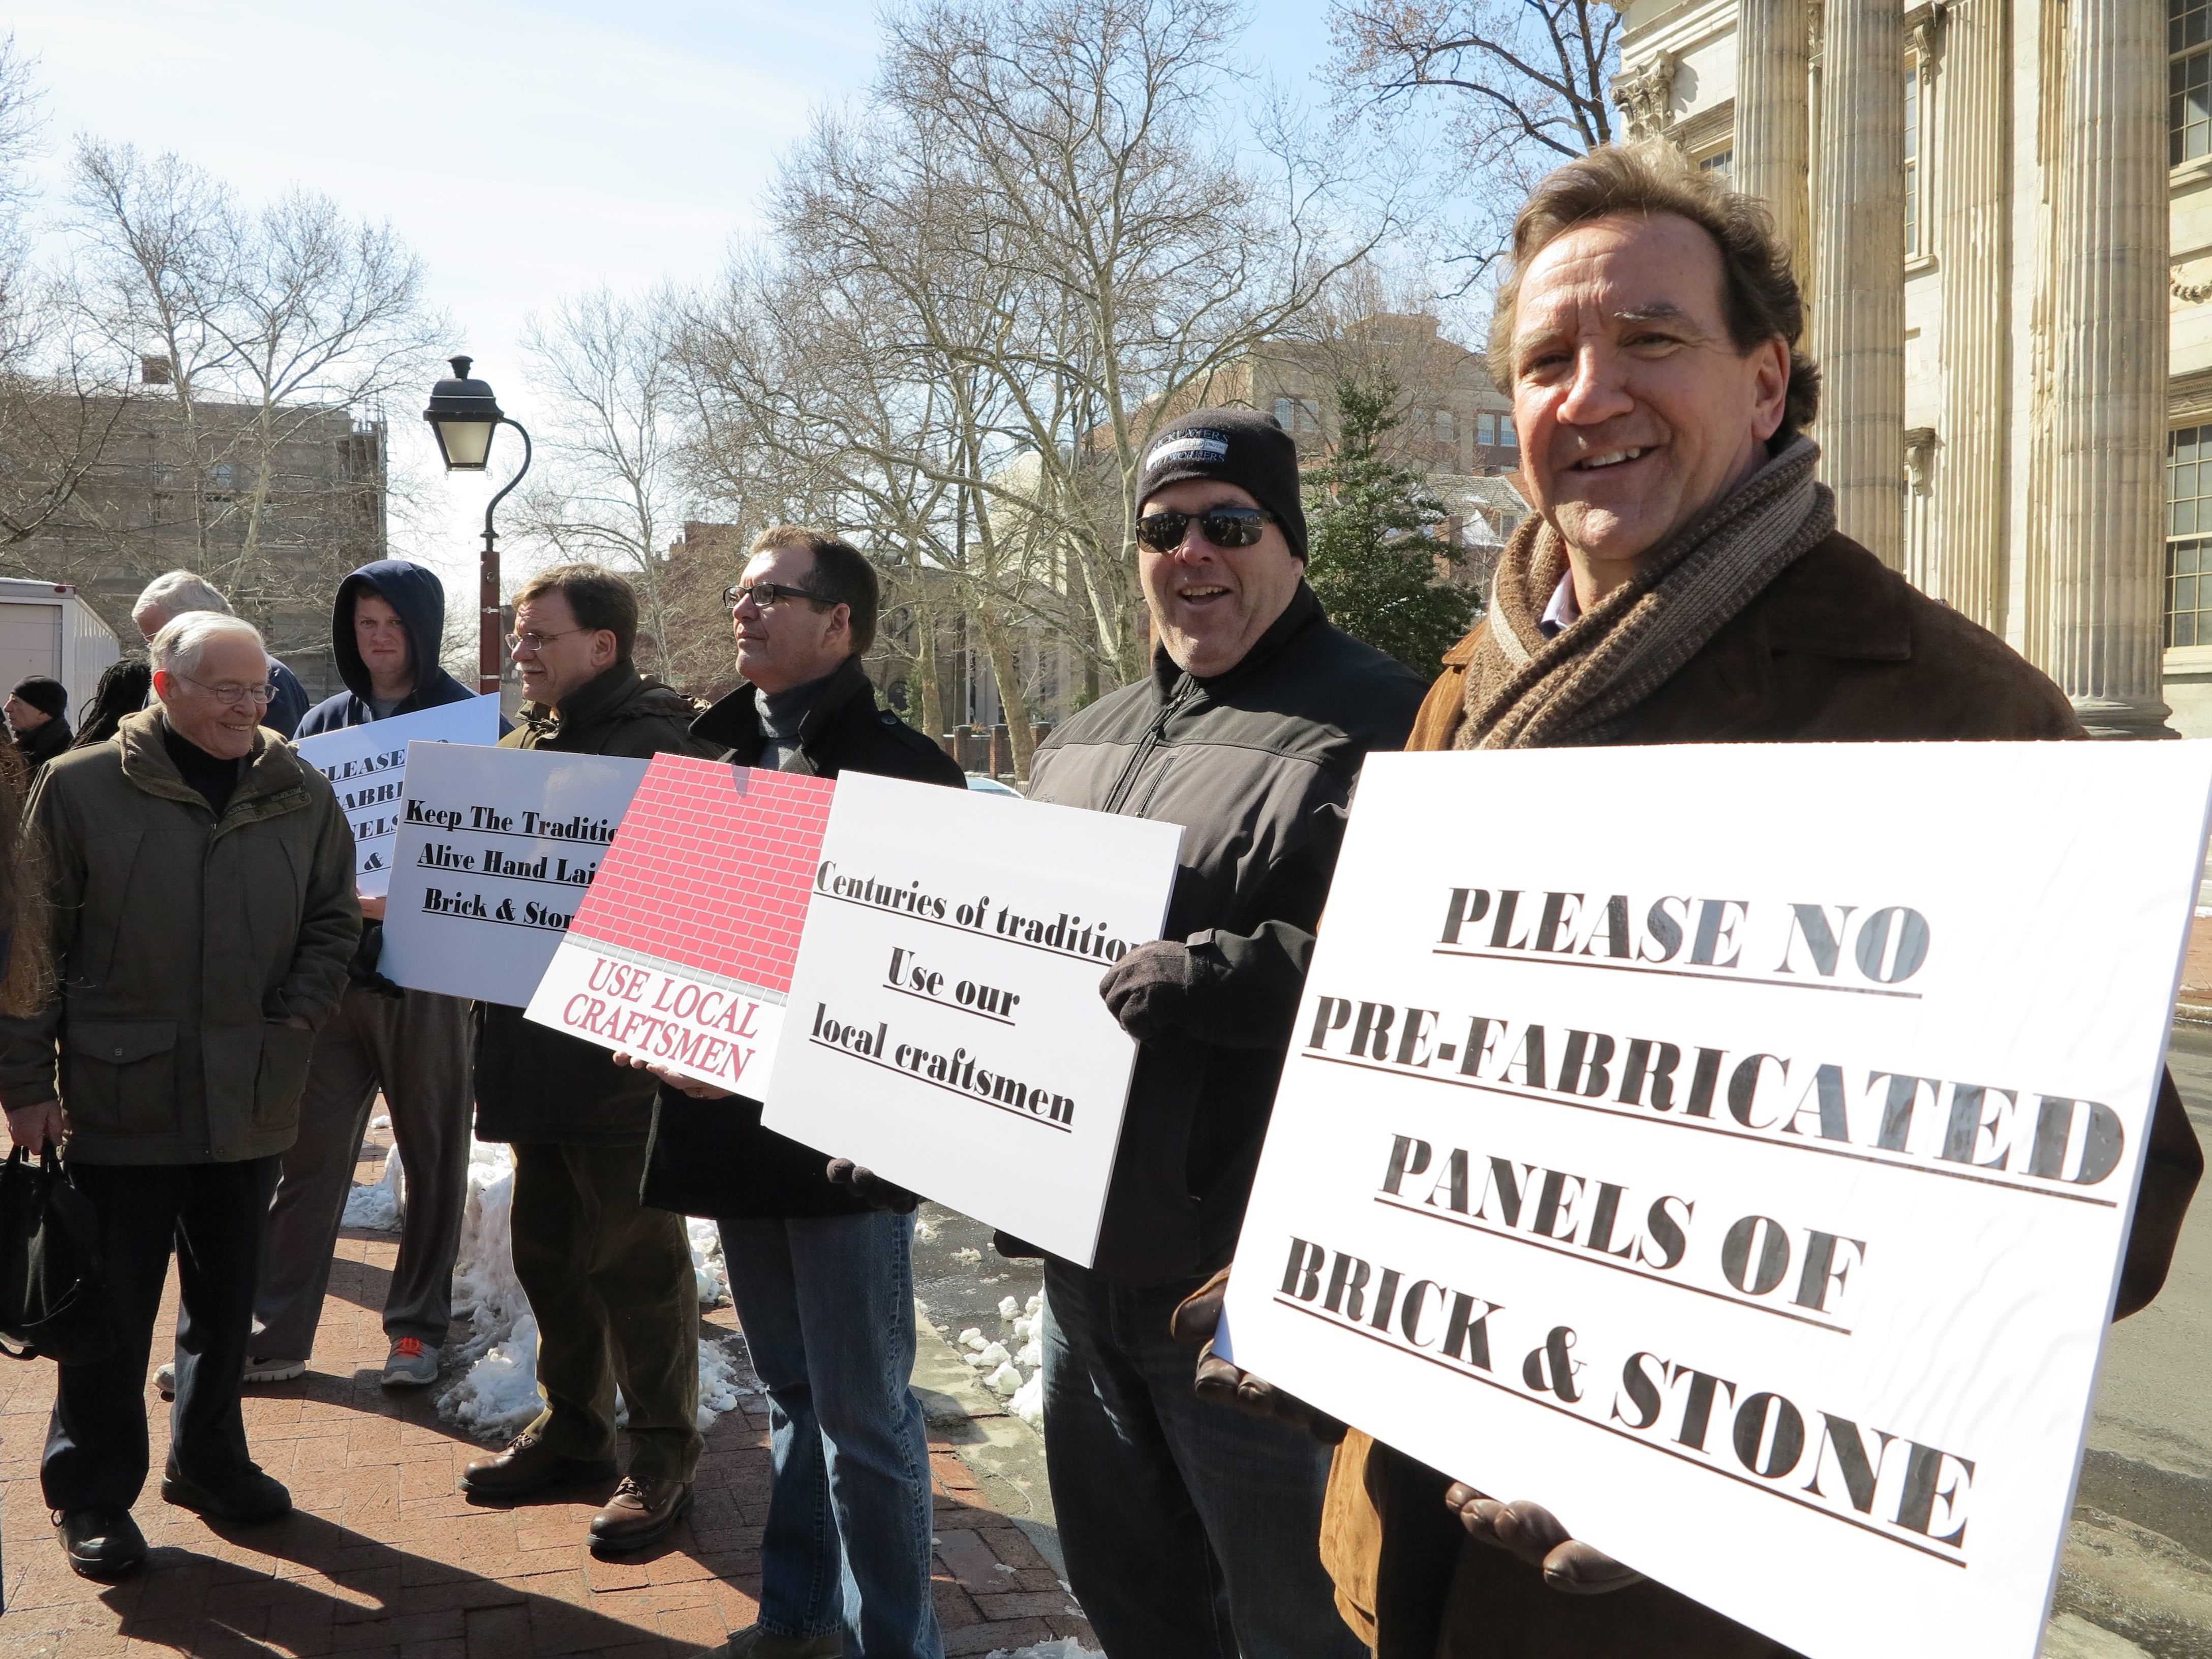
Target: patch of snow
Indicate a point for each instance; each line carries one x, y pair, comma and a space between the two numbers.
380, 1204
1065, 1647
1008, 1307
990, 1357
1031, 1354
970, 1255
382, 1121
1028, 1403
924, 1233
972, 1338
1005, 1381
494, 1391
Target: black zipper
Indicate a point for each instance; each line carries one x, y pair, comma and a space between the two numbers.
1119, 795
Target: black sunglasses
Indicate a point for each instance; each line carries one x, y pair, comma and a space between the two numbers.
1224, 526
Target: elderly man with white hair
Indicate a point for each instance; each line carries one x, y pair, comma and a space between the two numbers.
201, 878
176, 592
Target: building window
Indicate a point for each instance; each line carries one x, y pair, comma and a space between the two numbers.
2189, 536
1298, 414
1912, 163
1720, 162
2188, 78
1446, 430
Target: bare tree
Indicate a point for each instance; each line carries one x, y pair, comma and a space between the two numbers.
267, 339
611, 446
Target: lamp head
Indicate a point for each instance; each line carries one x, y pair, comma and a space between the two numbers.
463, 415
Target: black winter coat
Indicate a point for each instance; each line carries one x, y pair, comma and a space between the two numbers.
712, 1157
1257, 765
535, 1085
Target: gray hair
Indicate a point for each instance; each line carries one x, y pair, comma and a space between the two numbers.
183, 640
176, 591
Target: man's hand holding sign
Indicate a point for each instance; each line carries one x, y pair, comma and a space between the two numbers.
1693, 1193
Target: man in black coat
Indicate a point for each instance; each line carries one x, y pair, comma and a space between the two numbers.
821, 1272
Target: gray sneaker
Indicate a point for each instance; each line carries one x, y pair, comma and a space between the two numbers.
275, 1370
413, 1364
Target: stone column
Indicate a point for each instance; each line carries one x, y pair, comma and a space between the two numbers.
1973, 227
2104, 609
1773, 115
1858, 302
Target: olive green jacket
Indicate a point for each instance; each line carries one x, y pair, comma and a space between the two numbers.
182, 944
535, 1085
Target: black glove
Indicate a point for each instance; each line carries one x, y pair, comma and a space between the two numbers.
1153, 991
871, 1188
1218, 1383
361, 970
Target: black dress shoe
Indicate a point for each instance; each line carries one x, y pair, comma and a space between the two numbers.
100, 1543
639, 1513
528, 1465
248, 1495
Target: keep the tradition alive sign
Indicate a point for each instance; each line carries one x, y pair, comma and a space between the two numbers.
944, 1026
682, 953
368, 767
1732, 1149
496, 848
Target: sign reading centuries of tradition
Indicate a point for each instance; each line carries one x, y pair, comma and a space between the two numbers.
367, 766
683, 952
495, 850
1734, 1149
944, 1026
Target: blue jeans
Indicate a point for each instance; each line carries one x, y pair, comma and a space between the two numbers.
1191, 1531
827, 1303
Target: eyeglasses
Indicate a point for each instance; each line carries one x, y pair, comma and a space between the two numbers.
1223, 526
234, 694
766, 596
535, 642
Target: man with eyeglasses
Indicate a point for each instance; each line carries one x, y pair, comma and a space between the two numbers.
201, 880
610, 1282
1191, 1531
821, 1269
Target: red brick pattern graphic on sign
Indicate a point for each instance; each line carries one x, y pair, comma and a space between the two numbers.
711, 870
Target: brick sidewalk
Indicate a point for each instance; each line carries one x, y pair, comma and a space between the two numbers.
383, 1557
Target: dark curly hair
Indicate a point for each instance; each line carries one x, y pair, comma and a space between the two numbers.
1761, 292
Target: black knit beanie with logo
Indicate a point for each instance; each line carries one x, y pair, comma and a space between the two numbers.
1240, 446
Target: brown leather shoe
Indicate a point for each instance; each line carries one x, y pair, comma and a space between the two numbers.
638, 1513
525, 1465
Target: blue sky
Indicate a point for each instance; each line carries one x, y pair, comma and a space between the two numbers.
525, 150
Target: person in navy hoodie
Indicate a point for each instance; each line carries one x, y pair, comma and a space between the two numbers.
386, 629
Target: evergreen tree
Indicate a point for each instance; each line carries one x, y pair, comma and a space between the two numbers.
1373, 561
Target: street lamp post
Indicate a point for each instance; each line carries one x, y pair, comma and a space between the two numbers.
463, 415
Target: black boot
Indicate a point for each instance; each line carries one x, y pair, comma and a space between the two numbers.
100, 1543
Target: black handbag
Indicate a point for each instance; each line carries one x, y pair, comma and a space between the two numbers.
50, 1272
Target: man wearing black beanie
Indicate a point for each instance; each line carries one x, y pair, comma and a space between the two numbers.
1190, 1531
37, 713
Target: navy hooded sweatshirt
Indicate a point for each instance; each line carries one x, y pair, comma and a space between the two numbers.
420, 599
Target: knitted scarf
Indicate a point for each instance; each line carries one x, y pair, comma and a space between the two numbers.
1524, 691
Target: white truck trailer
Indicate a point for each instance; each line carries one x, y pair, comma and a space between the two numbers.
46, 628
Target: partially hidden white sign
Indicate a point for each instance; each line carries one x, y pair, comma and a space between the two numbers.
945, 1027
496, 849
1734, 1149
368, 767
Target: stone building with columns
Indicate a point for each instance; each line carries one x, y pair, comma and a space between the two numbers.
2001, 213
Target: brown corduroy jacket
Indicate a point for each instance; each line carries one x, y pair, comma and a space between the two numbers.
1836, 649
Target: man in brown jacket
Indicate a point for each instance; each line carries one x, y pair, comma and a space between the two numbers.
609, 1281
201, 876
1681, 581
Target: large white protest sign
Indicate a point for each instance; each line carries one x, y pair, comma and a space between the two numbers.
945, 1027
496, 849
367, 766
1732, 1149
683, 951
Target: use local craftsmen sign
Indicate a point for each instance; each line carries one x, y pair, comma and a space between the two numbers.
1732, 1149
682, 953
944, 1026
495, 851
